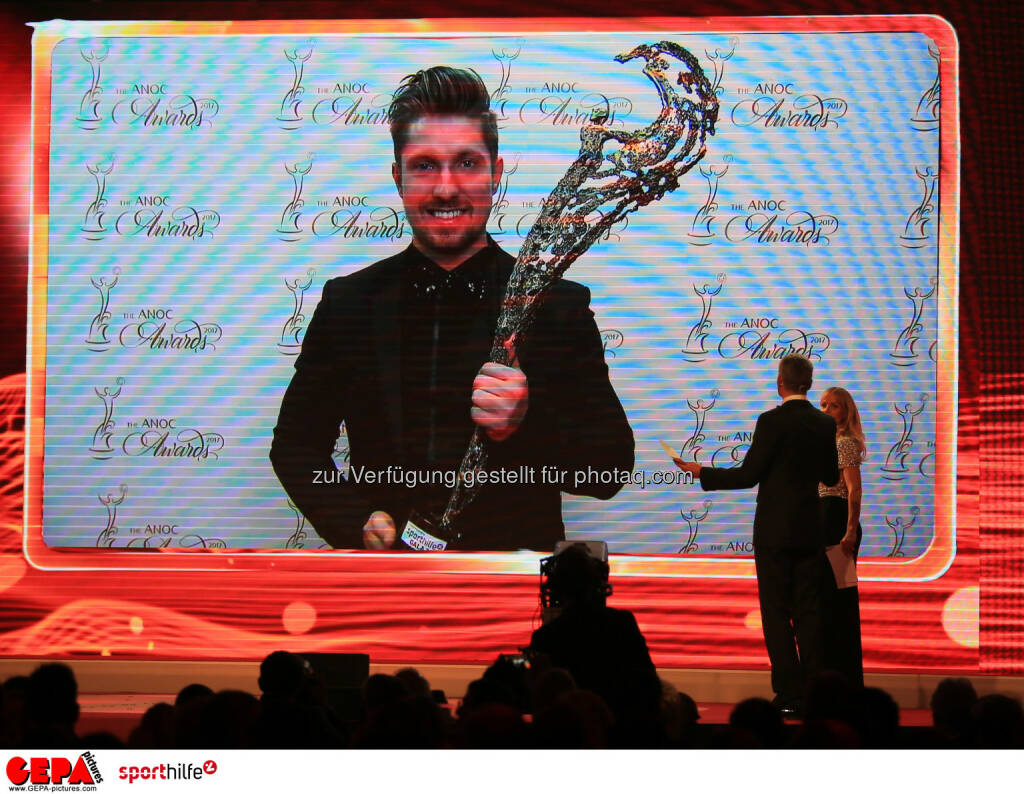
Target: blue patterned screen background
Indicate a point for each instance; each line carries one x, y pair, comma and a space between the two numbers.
203, 189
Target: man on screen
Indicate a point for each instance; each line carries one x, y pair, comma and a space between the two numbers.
793, 449
399, 351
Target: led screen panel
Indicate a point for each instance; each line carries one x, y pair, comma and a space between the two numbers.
200, 189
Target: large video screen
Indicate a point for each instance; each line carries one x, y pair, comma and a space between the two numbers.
202, 189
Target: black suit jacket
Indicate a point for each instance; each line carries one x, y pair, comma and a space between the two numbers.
350, 370
793, 449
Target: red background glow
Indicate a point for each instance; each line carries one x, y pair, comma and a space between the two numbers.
398, 616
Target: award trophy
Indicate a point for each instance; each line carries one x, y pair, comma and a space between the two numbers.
598, 191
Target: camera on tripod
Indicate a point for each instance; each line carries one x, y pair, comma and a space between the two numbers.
575, 574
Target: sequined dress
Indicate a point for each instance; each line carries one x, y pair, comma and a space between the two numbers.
841, 607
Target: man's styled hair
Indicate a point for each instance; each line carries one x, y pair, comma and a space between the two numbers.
796, 373
441, 90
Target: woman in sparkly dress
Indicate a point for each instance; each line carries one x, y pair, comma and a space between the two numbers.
840, 510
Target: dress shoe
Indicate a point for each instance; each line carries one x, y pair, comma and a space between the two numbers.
790, 708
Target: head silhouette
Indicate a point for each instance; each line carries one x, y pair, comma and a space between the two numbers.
576, 578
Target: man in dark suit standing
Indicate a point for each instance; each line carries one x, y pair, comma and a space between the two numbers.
792, 450
398, 351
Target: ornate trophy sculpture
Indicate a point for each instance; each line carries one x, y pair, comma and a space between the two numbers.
599, 190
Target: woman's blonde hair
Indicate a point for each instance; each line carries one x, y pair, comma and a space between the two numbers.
851, 427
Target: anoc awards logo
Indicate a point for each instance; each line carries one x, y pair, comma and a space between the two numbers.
898, 526
97, 339
92, 225
781, 105
151, 104
926, 116
351, 218
300, 537
612, 340
757, 338
94, 54
155, 533
146, 216
154, 106
695, 349
905, 457
110, 502
101, 447
294, 328
166, 439
724, 448
500, 204
702, 226
289, 114
567, 103
917, 231
352, 106
165, 536
906, 351
350, 102
768, 338
713, 544
342, 217
288, 227
561, 100
692, 519
500, 95
162, 329
162, 437
775, 222
718, 59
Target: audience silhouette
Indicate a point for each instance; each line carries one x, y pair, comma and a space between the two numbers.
512, 706
951, 705
51, 707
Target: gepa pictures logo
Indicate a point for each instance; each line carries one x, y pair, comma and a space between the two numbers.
79, 773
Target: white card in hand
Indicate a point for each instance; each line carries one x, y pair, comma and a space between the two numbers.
844, 568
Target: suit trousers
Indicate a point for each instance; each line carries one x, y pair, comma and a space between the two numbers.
789, 587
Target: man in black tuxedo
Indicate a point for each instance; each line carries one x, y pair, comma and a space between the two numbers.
792, 450
399, 352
